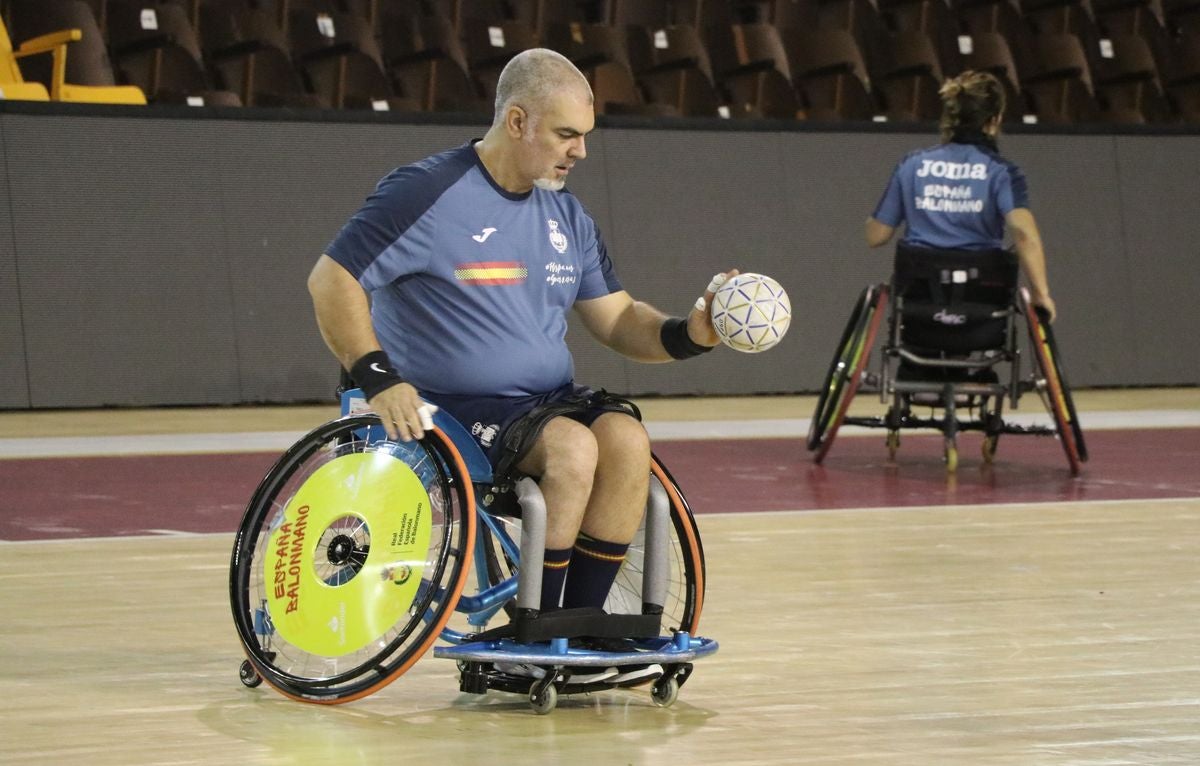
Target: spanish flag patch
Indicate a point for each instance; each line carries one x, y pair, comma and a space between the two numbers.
491, 273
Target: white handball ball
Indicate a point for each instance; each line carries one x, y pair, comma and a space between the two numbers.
751, 312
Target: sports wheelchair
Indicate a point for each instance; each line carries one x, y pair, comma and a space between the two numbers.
952, 346
357, 553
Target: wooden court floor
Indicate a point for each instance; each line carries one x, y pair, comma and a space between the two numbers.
1060, 633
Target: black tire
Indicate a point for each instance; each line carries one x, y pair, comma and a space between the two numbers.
1052, 385
845, 372
394, 556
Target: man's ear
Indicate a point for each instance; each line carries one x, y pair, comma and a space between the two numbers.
516, 121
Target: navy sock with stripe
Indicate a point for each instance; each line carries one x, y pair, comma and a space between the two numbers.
592, 571
554, 572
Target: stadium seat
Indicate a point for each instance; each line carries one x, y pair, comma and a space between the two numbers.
1183, 78
989, 52
427, 60
1058, 80
829, 71
341, 61
794, 14
12, 84
602, 54
1182, 16
1002, 17
249, 53
930, 17
488, 47
85, 77
673, 67
156, 48
909, 77
1127, 82
750, 63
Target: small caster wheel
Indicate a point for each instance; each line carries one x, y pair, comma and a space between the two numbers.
665, 691
989, 447
893, 444
248, 675
951, 456
543, 701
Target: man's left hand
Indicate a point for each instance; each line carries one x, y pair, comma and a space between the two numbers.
699, 321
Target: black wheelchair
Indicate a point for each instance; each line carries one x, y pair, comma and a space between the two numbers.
951, 349
356, 554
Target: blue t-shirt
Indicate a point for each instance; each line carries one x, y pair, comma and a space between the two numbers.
470, 284
953, 196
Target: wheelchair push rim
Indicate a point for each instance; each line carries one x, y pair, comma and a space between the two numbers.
1052, 385
350, 558
846, 371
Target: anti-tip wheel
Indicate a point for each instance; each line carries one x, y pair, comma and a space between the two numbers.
543, 701
665, 691
248, 675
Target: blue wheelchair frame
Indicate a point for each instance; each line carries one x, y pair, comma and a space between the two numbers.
480, 655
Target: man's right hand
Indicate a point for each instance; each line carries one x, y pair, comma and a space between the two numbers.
405, 416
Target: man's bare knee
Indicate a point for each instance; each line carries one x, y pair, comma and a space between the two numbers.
565, 449
623, 440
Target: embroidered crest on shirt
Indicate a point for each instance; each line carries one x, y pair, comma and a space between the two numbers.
491, 273
557, 239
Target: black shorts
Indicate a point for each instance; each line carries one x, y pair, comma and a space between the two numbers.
491, 419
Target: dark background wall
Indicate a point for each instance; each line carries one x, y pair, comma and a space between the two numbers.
150, 259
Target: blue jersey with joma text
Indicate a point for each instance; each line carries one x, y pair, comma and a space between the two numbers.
953, 196
470, 284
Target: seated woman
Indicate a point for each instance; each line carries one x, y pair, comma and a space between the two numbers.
961, 194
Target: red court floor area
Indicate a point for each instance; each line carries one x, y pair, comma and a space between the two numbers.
47, 498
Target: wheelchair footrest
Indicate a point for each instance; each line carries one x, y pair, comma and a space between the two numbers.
576, 623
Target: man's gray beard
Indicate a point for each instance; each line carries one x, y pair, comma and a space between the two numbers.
549, 184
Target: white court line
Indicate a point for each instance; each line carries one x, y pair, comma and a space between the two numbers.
784, 428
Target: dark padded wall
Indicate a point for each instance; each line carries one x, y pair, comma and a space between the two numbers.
14, 387
1160, 203
284, 201
124, 293
154, 260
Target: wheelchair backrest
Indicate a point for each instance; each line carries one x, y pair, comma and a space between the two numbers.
954, 301
949, 277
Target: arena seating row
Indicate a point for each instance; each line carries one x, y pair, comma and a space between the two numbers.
1063, 61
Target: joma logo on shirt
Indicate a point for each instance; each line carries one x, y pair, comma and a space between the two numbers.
952, 170
491, 273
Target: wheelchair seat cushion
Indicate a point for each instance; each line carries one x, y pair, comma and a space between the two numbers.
959, 328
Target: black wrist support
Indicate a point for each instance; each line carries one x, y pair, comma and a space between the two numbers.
374, 373
677, 342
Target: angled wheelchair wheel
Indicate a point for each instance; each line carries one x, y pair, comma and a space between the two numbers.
846, 371
1051, 384
350, 558
685, 558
